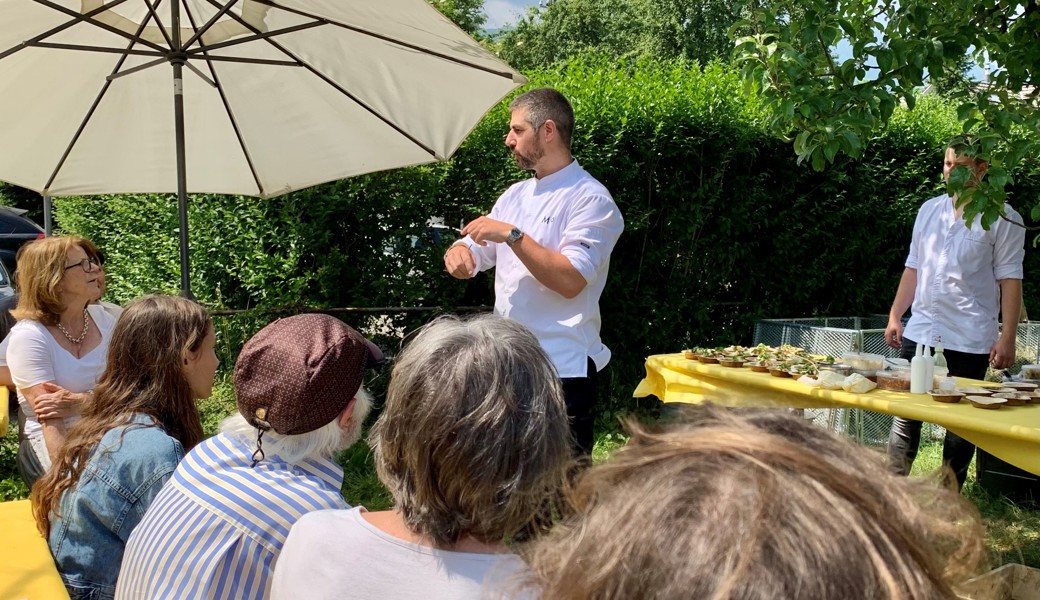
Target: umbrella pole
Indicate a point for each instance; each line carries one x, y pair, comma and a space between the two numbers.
182, 181
47, 215
177, 59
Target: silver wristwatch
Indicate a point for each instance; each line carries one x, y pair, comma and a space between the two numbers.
515, 235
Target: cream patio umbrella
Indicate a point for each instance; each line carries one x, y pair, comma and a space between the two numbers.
252, 97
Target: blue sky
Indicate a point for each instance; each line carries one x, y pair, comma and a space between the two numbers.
503, 12
500, 12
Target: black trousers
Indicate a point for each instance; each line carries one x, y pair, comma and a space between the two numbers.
905, 436
580, 395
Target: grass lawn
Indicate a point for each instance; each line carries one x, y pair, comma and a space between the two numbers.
1014, 531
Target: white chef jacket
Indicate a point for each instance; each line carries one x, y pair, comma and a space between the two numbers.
957, 299
567, 212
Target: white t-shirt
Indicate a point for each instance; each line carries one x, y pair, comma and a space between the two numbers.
571, 213
333, 554
34, 356
957, 298
113, 309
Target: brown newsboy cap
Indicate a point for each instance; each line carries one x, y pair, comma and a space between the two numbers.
298, 374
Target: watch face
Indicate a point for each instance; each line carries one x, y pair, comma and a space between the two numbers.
514, 235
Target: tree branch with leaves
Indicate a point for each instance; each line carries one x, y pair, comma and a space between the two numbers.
829, 106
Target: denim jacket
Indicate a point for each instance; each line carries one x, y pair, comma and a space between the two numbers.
122, 477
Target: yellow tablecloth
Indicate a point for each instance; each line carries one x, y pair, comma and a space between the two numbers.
5, 411
27, 571
1011, 433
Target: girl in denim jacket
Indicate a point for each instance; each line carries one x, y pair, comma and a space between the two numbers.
134, 430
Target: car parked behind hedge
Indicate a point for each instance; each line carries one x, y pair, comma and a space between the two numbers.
16, 230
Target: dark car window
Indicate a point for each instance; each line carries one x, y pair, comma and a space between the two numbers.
12, 223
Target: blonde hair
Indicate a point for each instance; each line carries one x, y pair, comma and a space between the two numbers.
474, 437
755, 507
41, 267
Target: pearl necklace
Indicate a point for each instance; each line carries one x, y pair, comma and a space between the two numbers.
82, 336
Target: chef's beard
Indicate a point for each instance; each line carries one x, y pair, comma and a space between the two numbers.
528, 162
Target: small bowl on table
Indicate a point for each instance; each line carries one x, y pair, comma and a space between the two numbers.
987, 402
757, 367
946, 396
689, 355
1012, 398
1021, 386
778, 372
977, 391
732, 363
839, 368
708, 360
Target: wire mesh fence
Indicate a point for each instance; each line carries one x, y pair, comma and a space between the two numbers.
837, 335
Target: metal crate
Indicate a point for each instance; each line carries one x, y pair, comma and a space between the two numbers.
836, 336
827, 335
1027, 351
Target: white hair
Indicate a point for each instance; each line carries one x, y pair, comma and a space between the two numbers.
324, 442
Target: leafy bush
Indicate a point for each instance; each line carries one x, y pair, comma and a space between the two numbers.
722, 226
11, 485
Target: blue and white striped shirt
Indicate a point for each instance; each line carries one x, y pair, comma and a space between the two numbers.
215, 530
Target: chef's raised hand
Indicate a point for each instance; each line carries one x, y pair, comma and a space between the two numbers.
483, 230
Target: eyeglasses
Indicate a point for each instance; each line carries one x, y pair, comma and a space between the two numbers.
84, 264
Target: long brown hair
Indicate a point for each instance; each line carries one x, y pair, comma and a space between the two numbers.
143, 375
41, 266
755, 507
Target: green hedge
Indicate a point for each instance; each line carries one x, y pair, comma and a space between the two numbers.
722, 227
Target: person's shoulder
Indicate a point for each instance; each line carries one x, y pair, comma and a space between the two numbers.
142, 435
321, 522
29, 331
585, 183
29, 325
935, 201
1012, 214
105, 319
518, 187
111, 308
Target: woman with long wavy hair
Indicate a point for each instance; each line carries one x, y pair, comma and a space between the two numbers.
57, 350
137, 426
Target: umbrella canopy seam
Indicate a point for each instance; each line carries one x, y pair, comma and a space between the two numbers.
335, 85
231, 116
58, 29
93, 108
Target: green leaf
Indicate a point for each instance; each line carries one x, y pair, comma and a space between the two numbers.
998, 177
887, 105
831, 150
852, 141
818, 160
884, 60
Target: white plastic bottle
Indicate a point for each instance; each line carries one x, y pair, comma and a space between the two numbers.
941, 370
919, 380
941, 377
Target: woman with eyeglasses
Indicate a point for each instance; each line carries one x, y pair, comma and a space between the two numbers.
58, 348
